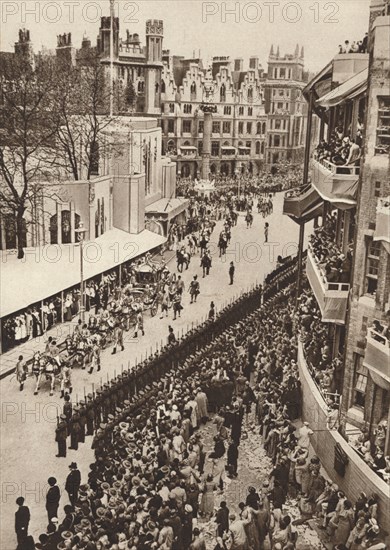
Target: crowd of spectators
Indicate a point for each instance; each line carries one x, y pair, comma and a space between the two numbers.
358, 46
156, 485
317, 348
341, 149
287, 177
335, 265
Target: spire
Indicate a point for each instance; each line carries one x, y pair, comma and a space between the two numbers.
297, 51
302, 52
271, 53
278, 52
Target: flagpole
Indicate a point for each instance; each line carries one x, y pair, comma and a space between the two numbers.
112, 16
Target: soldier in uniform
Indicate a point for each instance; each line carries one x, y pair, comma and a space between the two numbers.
75, 429
67, 409
61, 435
118, 337
83, 421
90, 413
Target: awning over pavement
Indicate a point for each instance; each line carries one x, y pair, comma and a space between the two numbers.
348, 90
168, 208
48, 270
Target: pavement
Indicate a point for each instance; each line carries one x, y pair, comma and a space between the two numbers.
28, 422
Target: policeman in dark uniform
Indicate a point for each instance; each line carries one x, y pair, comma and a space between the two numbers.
75, 429
61, 435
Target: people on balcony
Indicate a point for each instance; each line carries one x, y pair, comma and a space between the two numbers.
341, 151
335, 265
359, 46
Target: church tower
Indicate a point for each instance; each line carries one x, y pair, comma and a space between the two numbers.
24, 47
154, 43
65, 52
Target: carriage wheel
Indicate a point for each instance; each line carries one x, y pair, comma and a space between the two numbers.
153, 310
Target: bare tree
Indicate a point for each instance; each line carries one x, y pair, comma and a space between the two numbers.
82, 103
28, 127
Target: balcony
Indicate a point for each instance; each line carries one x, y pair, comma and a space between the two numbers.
382, 226
377, 358
244, 153
332, 297
336, 184
187, 152
302, 204
228, 152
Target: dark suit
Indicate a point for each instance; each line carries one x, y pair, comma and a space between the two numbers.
53, 496
22, 519
72, 485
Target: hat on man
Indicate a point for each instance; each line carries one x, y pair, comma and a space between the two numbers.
73, 466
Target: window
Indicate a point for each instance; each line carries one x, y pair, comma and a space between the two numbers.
360, 382
280, 105
240, 127
215, 149
193, 91
263, 128
200, 148
278, 124
248, 144
250, 111
187, 126
227, 110
249, 127
372, 266
162, 87
241, 111
171, 107
222, 93
262, 147
276, 140
226, 128
377, 190
216, 127
383, 127
171, 126
282, 73
200, 127
258, 128
250, 94
257, 147
187, 109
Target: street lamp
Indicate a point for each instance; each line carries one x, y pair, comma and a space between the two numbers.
81, 231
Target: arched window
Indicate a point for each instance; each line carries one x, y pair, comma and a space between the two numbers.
262, 147
250, 111
157, 88
258, 128
241, 111
263, 128
162, 87
257, 147
193, 91
250, 94
222, 93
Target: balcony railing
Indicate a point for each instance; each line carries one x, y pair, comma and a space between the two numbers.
377, 358
332, 297
336, 184
303, 203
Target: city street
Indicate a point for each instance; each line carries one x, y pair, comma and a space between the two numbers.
28, 421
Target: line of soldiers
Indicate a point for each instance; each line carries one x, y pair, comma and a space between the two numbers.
115, 399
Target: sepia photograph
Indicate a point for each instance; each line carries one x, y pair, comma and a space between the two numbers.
195, 275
